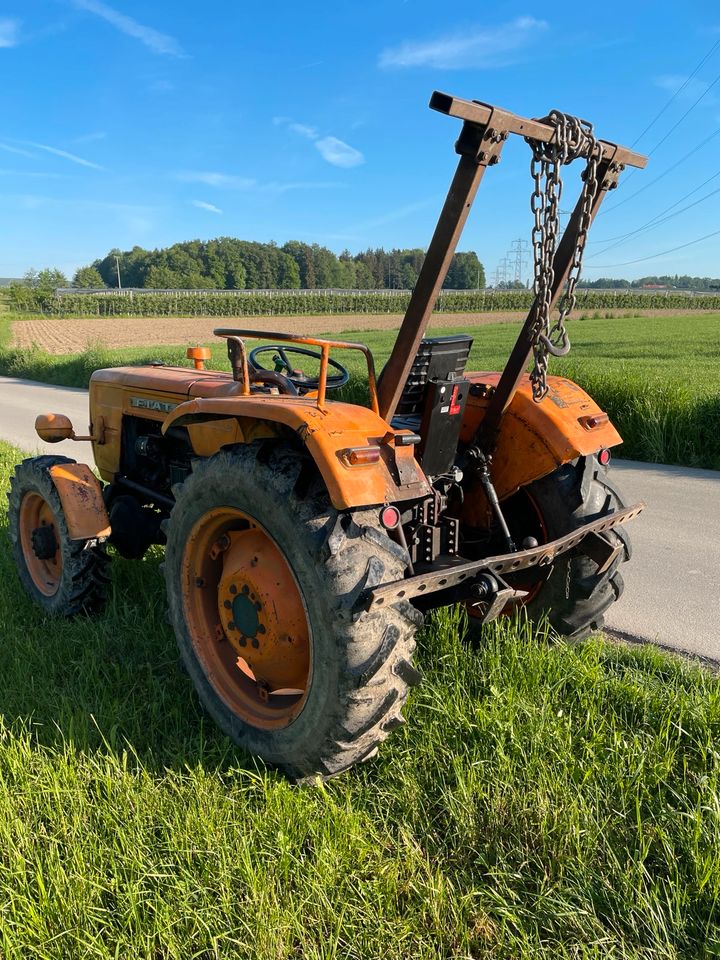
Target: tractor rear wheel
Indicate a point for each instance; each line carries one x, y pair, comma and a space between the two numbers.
262, 575
575, 596
63, 576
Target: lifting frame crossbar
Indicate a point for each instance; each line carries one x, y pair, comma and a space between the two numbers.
484, 132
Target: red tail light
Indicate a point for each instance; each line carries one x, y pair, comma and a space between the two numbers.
390, 518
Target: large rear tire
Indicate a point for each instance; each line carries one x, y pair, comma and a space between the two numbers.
63, 576
262, 574
576, 596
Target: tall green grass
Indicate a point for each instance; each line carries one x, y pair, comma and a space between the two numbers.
542, 801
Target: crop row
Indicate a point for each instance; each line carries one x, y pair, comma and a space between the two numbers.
283, 302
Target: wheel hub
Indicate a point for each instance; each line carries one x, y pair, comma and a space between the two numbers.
44, 542
262, 613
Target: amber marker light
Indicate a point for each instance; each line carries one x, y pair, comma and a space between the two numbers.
360, 456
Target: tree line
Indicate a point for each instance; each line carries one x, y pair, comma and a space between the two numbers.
230, 264
665, 282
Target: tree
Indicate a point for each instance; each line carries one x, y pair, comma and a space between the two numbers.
465, 273
88, 278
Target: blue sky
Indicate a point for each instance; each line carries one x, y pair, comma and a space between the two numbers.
151, 122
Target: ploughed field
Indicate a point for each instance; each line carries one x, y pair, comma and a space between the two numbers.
58, 335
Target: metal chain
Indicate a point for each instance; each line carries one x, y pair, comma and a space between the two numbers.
573, 138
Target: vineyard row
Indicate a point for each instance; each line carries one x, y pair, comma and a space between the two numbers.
283, 303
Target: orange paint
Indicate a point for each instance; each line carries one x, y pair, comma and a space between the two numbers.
82, 501
246, 618
536, 438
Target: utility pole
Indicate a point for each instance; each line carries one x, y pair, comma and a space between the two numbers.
117, 267
518, 253
502, 271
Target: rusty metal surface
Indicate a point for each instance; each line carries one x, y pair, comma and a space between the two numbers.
82, 501
535, 438
453, 576
481, 113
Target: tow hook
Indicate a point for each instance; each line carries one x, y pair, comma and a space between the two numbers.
490, 595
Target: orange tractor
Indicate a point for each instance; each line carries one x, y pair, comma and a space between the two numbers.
305, 537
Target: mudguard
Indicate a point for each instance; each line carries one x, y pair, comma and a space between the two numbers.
536, 438
326, 432
82, 502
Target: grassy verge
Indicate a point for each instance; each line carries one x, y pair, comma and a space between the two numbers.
543, 801
658, 377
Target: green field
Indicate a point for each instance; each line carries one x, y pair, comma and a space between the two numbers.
542, 801
658, 377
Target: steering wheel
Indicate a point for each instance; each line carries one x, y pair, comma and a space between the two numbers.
281, 364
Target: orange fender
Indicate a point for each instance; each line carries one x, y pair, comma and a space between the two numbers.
82, 501
326, 433
536, 438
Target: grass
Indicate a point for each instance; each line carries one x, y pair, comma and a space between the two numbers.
657, 377
543, 801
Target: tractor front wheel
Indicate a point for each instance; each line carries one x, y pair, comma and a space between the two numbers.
63, 576
262, 576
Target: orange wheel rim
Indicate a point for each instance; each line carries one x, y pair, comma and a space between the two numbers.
247, 618
40, 543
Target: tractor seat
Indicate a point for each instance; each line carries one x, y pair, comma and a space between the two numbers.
438, 358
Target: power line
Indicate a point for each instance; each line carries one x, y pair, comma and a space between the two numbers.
663, 174
677, 93
625, 263
689, 110
677, 123
622, 236
655, 222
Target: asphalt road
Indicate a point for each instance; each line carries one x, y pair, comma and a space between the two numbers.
672, 588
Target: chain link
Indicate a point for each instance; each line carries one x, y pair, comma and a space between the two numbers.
573, 138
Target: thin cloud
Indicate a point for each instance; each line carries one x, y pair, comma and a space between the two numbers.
339, 153
334, 151
275, 187
156, 41
9, 32
212, 178
72, 157
475, 48
686, 88
40, 175
304, 130
398, 214
204, 205
18, 151
229, 181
